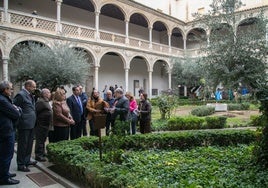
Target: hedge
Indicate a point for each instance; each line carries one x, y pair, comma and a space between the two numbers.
74, 156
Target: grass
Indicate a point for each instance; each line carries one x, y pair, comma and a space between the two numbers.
232, 121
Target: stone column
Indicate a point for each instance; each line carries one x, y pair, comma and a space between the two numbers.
150, 84
6, 19
266, 34
208, 37
150, 36
185, 91
169, 41
169, 79
184, 42
96, 77
97, 25
5, 67
126, 78
59, 26
127, 31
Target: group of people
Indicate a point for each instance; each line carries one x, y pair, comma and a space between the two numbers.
59, 118
121, 106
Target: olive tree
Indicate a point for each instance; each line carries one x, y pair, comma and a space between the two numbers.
49, 67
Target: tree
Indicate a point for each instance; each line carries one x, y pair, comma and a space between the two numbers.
234, 57
186, 72
50, 68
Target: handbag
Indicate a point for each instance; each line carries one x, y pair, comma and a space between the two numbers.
136, 112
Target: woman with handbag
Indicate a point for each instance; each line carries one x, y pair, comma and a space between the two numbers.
133, 107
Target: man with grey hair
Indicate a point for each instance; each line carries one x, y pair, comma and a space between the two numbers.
25, 100
43, 121
121, 105
9, 113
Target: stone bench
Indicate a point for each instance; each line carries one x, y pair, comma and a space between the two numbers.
219, 107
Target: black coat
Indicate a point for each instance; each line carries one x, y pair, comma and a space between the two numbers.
43, 113
27, 104
8, 115
121, 108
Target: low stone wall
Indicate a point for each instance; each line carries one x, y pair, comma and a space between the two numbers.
219, 107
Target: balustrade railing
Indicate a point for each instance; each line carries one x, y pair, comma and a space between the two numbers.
34, 22
42, 24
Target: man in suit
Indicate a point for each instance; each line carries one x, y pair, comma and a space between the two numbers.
83, 96
76, 108
25, 100
9, 113
43, 121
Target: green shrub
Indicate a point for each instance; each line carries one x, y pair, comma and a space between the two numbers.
256, 121
184, 123
166, 103
215, 122
238, 106
80, 157
203, 111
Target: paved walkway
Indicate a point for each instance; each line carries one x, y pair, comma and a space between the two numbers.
39, 176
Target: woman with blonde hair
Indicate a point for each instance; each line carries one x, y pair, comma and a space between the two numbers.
133, 111
61, 116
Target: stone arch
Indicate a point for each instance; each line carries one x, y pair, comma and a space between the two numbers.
220, 32
138, 74
248, 25
177, 37
110, 12
122, 57
115, 4
88, 50
16, 41
138, 23
2, 48
162, 29
196, 38
143, 57
160, 76
112, 69
84, 12
89, 79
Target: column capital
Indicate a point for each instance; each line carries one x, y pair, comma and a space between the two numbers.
5, 58
59, 1
97, 12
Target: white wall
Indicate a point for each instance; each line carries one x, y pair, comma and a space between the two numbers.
112, 24
138, 71
159, 77
137, 31
111, 72
77, 16
45, 8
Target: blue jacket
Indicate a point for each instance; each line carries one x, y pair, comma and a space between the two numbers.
74, 108
8, 115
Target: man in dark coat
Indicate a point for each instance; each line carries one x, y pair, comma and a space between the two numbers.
121, 105
9, 113
76, 108
43, 121
83, 96
25, 100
